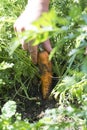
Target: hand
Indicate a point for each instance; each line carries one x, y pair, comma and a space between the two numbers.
33, 11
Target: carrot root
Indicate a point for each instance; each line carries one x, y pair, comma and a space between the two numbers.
45, 67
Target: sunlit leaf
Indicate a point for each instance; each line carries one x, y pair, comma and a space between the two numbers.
84, 66
52, 53
13, 46
62, 21
8, 109
75, 11
4, 65
80, 40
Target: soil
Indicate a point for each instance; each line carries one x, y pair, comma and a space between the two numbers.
34, 108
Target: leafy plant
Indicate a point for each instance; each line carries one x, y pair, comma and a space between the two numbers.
67, 29
17, 70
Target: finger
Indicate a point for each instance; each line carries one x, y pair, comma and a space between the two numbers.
18, 27
33, 52
15, 29
24, 46
47, 46
22, 29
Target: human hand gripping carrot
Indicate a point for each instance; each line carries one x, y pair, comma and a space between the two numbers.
32, 12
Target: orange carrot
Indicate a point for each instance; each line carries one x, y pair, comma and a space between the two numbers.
46, 73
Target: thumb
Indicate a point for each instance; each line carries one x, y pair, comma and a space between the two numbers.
47, 46
33, 50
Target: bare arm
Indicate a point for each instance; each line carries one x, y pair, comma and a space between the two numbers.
32, 12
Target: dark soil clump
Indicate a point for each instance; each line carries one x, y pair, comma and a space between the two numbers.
34, 107
34, 110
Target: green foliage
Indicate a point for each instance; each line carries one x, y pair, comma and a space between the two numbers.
16, 68
67, 29
10, 120
63, 117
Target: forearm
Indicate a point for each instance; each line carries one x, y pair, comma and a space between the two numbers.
41, 5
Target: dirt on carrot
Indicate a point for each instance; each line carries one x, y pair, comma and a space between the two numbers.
45, 67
